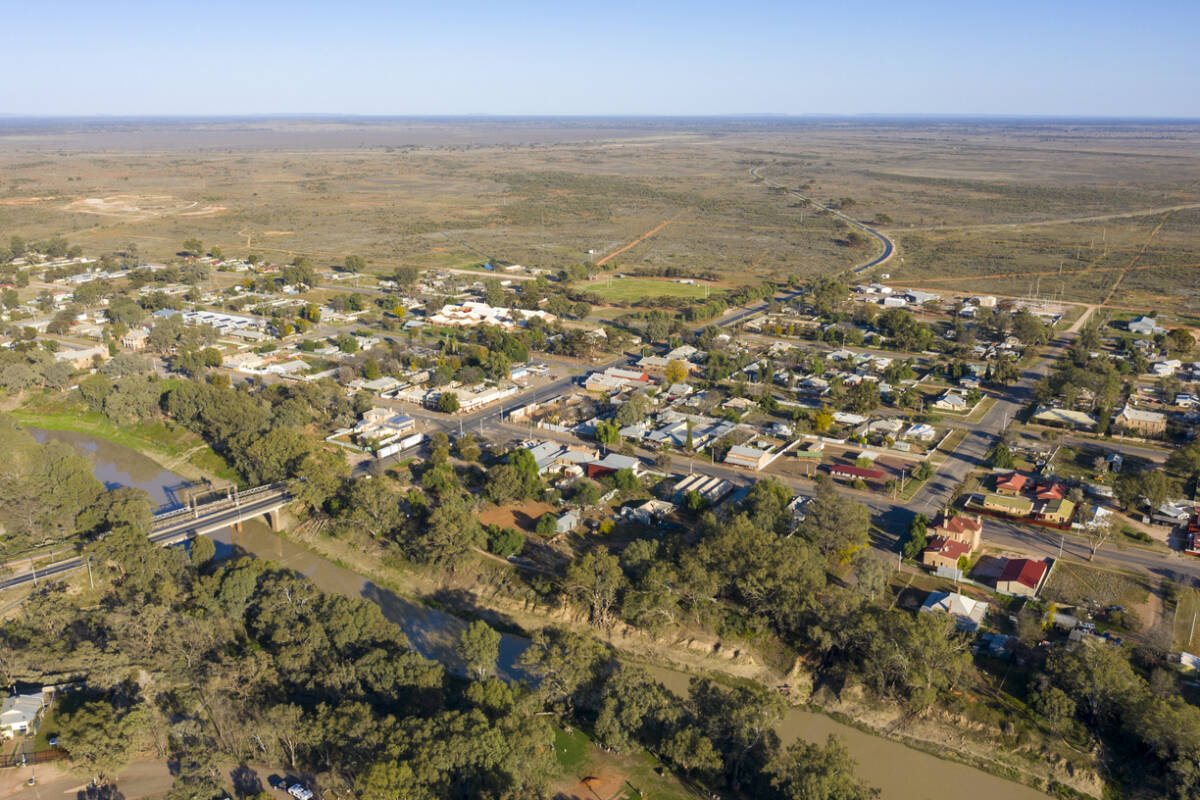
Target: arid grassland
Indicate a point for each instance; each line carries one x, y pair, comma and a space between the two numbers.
1095, 212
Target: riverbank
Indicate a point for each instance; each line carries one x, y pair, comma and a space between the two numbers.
883, 738
173, 448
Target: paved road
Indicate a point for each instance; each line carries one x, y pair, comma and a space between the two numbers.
177, 531
888, 247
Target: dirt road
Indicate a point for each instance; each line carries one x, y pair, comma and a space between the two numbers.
637, 241
1008, 226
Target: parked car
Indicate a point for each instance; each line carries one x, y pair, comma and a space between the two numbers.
299, 792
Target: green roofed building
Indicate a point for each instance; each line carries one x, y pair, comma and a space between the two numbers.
1016, 506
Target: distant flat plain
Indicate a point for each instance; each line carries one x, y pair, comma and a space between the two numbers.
1092, 211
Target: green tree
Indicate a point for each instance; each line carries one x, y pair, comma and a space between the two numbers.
451, 532
546, 525
98, 740
822, 419
388, 780
1185, 461
596, 579
915, 545
1001, 457
807, 771
447, 402
837, 527
607, 433
202, 551
479, 647
193, 247
467, 448
505, 542
355, 263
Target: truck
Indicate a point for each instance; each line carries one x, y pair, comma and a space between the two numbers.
399, 447
299, 792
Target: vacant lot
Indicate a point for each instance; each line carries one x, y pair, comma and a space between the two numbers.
523, 517
1076, 584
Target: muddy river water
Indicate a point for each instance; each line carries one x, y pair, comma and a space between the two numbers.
901, 772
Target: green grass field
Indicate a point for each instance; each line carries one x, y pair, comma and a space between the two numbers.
630, 290
165, 442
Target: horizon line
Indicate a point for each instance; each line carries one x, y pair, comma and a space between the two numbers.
762, 115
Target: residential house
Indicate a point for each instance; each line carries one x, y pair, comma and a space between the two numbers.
922, 432
1011, 484
1011, 506
135, 339
1052, 490
1165, 369
967, 613
856, 473
951, 401
649, 512
1143, 423
944, 553
566, 522
1174, 514
1144, 326
961, 527
749, 457
1065, 418
18, 712
1022, 576
613, 462
1059, 511
82, 357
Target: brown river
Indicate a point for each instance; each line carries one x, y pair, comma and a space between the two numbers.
901, 772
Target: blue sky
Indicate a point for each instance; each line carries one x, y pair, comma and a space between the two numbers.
1095, 58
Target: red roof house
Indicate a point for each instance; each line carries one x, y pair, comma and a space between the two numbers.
1013, 484
1022, 576
943, 552
856, 472
962, 528
1051, 491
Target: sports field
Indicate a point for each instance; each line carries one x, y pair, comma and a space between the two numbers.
618, 289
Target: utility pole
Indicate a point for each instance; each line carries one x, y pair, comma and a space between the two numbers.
89, 566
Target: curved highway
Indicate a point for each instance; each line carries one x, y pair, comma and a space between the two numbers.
889, 248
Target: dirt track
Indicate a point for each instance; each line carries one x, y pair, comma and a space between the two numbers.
636, 241
1007, 226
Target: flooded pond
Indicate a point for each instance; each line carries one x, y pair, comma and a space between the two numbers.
901, 772
117, 466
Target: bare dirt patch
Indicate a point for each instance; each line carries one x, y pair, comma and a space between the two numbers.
206, 211
602, 783
24, 201
524, 516
140, 206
